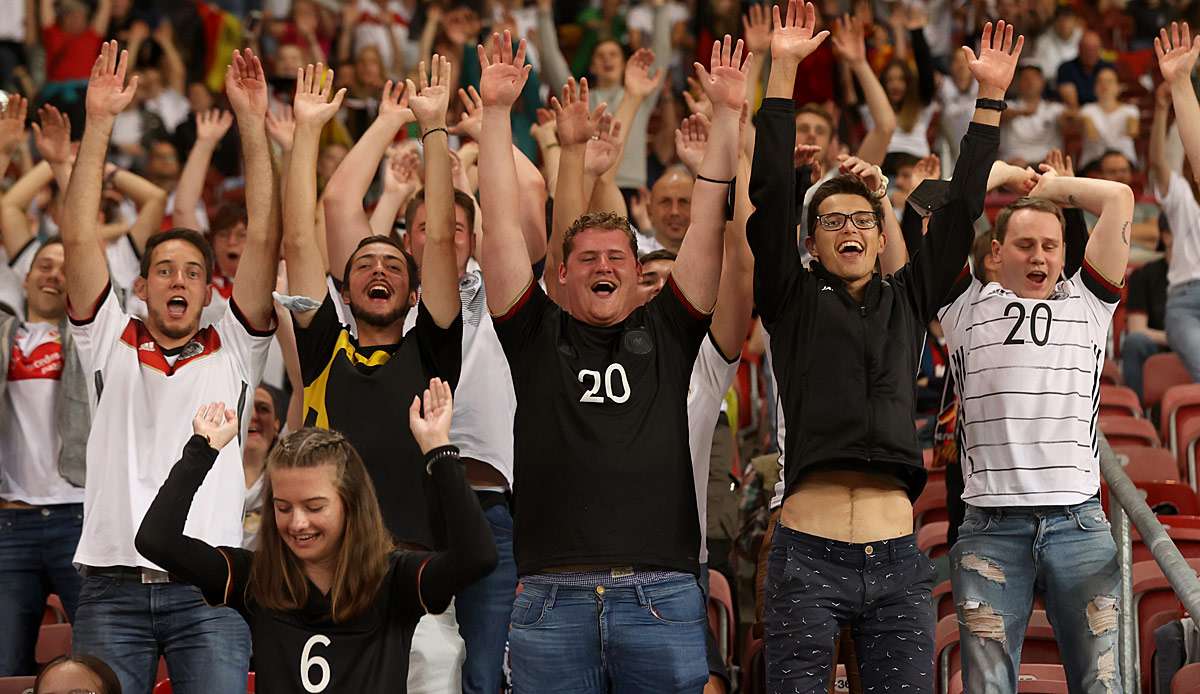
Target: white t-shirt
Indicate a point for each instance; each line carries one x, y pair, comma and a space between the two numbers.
1183, 214
12, 275
171, 106
371, 31
1026, 372
12, 22
252, 507
641, 18
1112, 129
957, 109
780, 424
1052, 51
915, 140
1032, 137
712, 375
29, 440
142, 403
484, 399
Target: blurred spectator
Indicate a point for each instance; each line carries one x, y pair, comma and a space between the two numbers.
1145, 327
1109, 124
1115, 166
77, 673
383, 24
1077, 78
307, 29
1031, 125
265, 424
15, 32
641, 31
605, 22
1149, 16
1060, 42
72, 41
670, 211
956, 94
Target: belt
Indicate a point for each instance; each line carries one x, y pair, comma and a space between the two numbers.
133, 574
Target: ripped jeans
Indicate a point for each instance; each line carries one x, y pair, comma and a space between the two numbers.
1066, 554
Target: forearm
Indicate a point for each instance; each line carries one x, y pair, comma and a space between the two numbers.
626, 114
176, 71
895, 252
1187, 116
260, 260
781, 82
348, 186
770, 230
533, 205
735, 296
875, 145
383, 217
1092, 195
439, 265
84, 265
13, 205
1107, 249
305, 268
697, 270
607, 197
190, 187
977, 154
1160, 167
554, 66
569, 203
505, 259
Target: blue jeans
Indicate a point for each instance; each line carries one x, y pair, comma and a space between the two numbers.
483, 609
129, 625
36, 548
1136, 348
642, 639
1183, 324
1066, 553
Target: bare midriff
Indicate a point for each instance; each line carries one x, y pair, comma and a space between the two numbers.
848, 506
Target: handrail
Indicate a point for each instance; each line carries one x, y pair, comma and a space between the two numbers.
1128, 505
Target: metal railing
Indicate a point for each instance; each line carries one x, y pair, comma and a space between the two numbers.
1126, 506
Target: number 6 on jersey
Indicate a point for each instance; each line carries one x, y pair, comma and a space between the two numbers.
316, 661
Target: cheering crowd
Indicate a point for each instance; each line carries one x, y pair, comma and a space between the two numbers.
416, 380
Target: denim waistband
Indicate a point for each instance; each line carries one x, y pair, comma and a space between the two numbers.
1035, 511
608, 579
852, 553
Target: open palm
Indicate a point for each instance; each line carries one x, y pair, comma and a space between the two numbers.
1176, 52
725, 82
575, 123
107, 93
638, 80
794, 37
12, 121
602, 150
997, 60
53, 136
429, 105
503, 75
312, 107
393, 102
848, 43
431, 424
246, 85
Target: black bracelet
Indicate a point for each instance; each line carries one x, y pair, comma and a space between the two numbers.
713, 180
439, 453
434, 130
991, 104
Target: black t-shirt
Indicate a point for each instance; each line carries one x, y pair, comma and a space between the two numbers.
365, 392
602, 468
1148, 293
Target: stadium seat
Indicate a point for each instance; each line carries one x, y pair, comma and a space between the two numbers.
1151, 596
1169, 498
1189, 440
1033, 679
943, 599
931, 539
53, 640
720, 614
1187, 680
930, 507
1158, 375
1119, 401
1180, 405
16, 685
1040, 646
1128, 431
164, 686
1111, 373
1149, 464
54, 612
1186, 539
754, 665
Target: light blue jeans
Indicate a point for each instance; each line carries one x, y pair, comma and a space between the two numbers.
1067, 554
638, 640
1183, 324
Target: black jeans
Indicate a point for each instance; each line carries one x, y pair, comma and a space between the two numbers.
880, 589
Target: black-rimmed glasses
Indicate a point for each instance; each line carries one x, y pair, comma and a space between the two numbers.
833, 221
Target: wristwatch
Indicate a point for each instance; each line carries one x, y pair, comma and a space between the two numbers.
991, 104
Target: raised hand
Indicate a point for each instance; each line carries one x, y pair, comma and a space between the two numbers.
107, 93
725, 85
997, 60
12, 122
502, 75
575, 123
848, 42
696, 100
281, 127
691, 137
216, 424
794, 37
471, 122
604, 147
545, 130
810, 156
639, 210
1060, 163
639, 82
402, 172
394, 102
431, 428
211, 125
1162, 96
756, 28
431, 103
1176, 52
868, 173
246, 86
312, 107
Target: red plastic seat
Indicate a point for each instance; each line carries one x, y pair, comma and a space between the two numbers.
720, 614
164, 686
1187, 680
1189, 453
943, 599
1180, 405
1149, 464
930, 507
1185, 537
1167, 496
1160, 373
1111, 374
15, 685
754, 666
1128, 431
54, 613
1119, 400
931, 539
1151, 595
53, 640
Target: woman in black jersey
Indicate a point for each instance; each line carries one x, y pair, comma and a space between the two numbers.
331, 606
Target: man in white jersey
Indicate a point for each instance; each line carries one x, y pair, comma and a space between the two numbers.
139, 374
1026, 352
43, 432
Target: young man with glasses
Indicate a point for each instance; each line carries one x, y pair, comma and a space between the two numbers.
844, 552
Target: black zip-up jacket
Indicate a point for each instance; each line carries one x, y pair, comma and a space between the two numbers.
847, 371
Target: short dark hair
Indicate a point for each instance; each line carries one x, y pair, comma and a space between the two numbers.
597, 220
56, 239
109, 683
1036, 204
1093, 167
461, 199
840, 185
820, 113
895, 161
660, 254
227, 216
187, 236
414, 276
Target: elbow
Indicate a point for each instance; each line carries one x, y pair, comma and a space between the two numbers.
147, 544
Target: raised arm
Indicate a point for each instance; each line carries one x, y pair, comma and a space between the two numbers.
305, 264
101, 17
85, 266
756, 31
849, 46
401, 180
12, 128
1160, 166
554, 66
211, 126
735, 295
246, 88
1177, 54
173, 67
505, 258
151, 204
1108, 248
344, 213
697, 270
895, 250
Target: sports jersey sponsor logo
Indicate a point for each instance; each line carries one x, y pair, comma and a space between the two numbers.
44, 362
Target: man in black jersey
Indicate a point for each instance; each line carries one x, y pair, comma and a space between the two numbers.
606, 526
358, 383
847, 340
